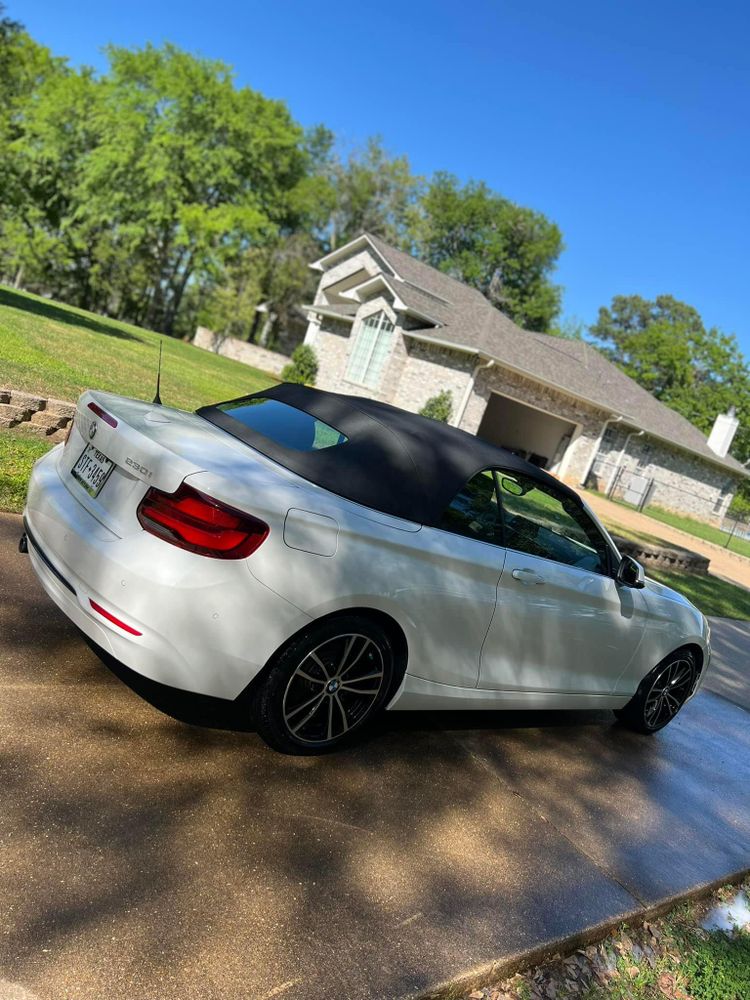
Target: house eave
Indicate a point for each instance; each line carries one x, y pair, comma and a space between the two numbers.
626, 418
322, 311
358, 243
379, 281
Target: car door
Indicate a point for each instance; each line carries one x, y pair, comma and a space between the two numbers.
453, 593
561, 623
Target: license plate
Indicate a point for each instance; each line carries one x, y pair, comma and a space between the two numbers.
92, 470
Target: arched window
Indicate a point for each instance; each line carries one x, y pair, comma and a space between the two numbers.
371, 347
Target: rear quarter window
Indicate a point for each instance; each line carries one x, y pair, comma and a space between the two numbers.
284, 424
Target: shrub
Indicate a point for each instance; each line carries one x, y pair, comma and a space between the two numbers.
303, 367
439, 407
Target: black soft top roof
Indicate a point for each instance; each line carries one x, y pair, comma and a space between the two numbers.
393, 461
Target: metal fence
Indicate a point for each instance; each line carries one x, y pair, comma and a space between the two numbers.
641, 491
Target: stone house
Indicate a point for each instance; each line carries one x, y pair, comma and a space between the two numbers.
386, 325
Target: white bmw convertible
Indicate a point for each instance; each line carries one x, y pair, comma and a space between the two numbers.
324, 557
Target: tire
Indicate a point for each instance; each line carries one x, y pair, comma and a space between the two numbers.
325, 685
661, 694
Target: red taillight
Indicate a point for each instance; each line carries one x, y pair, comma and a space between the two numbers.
106, 417
198, 523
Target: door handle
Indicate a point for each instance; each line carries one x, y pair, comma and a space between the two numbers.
527, 576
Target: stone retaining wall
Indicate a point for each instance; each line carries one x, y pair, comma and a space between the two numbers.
666, 557
240, 350
45, 418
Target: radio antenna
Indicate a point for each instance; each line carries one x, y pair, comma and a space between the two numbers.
157, 397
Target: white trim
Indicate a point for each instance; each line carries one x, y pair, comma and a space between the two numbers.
323, 311
379, 281
462, 349
597, 445
358, 242
467, 393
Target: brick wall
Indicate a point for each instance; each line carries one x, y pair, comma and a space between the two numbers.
588, 419
684, 483
239, 350
428, 370
43, 417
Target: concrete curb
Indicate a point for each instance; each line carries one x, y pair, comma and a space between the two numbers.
504, 968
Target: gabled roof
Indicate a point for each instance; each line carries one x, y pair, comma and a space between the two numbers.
460, 317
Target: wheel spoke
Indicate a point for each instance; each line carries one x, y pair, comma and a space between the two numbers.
343, 713
366, 677
300, 708
316, 659
309, 677
672, 703
330, 718
682, 676
357, 658
347, 650
319, 701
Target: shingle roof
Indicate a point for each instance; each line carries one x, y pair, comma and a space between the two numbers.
468, 321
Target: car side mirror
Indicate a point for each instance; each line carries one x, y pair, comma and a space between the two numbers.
630, 573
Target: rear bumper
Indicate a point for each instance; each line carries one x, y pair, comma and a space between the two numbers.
207, 625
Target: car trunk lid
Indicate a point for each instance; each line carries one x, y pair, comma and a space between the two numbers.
148, 445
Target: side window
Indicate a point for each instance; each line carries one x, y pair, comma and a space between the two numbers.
540, 521
474, 511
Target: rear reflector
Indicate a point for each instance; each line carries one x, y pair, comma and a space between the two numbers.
200, 524
106, 417
111, 618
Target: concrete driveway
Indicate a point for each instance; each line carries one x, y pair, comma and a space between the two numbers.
144, 857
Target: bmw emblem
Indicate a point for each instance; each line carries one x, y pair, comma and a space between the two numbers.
92, 430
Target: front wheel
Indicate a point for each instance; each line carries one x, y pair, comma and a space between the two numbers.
325, 685
661, 694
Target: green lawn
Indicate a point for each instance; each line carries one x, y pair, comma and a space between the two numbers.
634, 536
705, 531
671, 956
18, 452
708, 593
54, 350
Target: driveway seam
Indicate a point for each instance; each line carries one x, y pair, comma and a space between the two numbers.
724, 697
488, 766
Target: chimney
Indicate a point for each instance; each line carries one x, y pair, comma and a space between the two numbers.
722, 433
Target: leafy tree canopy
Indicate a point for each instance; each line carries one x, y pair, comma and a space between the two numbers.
372, 192
160, 192
506, 251
664, 345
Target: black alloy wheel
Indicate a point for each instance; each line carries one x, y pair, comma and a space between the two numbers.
661, 694
325, 685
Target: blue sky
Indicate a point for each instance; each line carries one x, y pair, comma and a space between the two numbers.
626, 123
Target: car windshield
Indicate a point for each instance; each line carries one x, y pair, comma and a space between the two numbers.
284, 424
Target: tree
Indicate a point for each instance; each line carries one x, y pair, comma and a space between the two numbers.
190, 169
159, 175
373, 192
24, 66
439, 407
664, 345
504, 250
